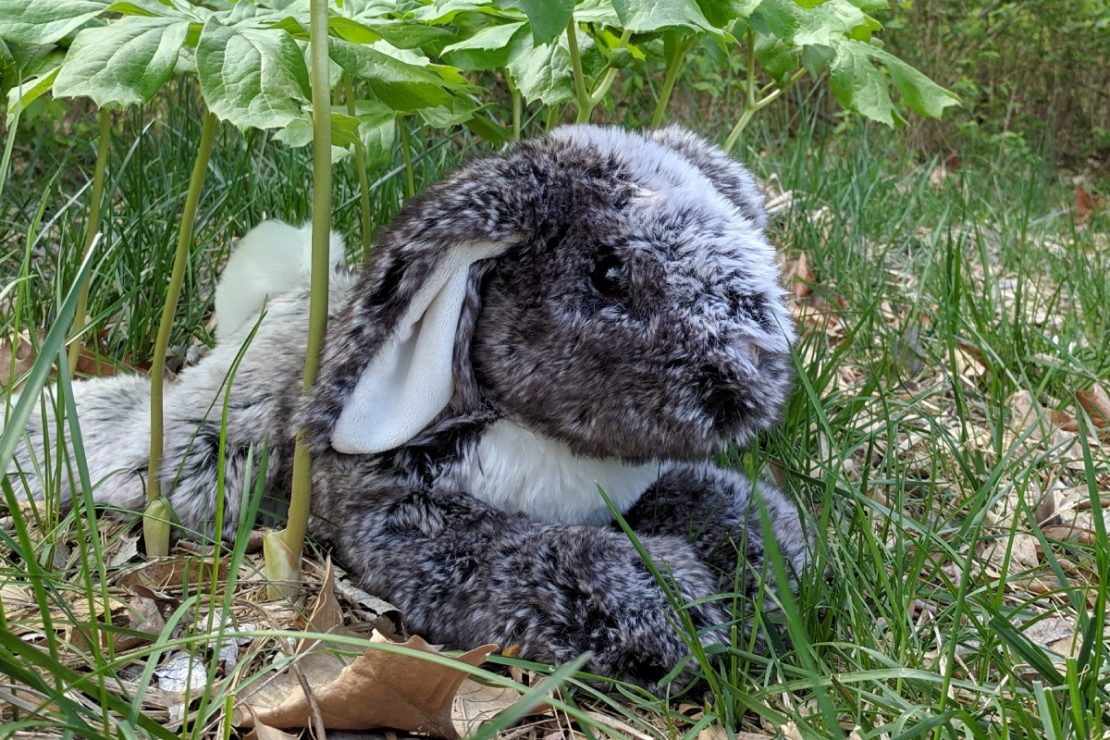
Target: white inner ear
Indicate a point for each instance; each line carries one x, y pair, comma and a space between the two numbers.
409, 381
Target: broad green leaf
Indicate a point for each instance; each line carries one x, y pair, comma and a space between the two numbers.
22, 95
351, 30
252, 78
410, 35
124, 62
597, 11
489, 130
459, 110
548, 18
45, 21
642, 16
489, 48
440, 12
921, 94
823, 24
298, 133
377, 129
542, 73
721, 12
776, 57
812, 23
858, 84
400, 85
148, 8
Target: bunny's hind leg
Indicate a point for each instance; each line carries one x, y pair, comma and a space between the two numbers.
112, 423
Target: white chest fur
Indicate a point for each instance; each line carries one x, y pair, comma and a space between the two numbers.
519, 471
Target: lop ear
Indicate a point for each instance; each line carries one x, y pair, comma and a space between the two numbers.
386, 370
408, 381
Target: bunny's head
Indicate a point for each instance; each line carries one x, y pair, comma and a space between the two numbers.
612, 290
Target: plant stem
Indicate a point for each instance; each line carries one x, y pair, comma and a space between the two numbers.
293, 535
366, 221
606, 82
517, 105
674, 66
406, 153
581, 94
753, 108
91, 228
169, 308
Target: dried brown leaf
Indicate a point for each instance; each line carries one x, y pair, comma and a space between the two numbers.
801, 277
1096, 403
477, 703
16, 357
377, 689
169, 573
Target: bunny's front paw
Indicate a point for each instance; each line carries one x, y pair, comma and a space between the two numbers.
609, 603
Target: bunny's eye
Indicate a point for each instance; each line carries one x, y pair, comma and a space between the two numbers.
606, 276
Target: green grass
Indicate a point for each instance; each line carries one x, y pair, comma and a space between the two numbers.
934, 305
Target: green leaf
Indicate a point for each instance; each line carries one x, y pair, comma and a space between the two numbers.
22, 95
399, 84
298, 133
377, 130
124, 62
489, 48
252, 78
858, 84
548, 18
351, 30
542, 73
776, 57
489, 130
459, 110
921, 94
827, 22
45, 21
643, 16
597, 11
722, 12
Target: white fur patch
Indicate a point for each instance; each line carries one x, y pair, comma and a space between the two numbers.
517, 470
272, 258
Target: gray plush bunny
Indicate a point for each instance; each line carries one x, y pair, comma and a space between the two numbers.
594, 308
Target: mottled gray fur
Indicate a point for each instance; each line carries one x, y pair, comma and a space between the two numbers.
635, 316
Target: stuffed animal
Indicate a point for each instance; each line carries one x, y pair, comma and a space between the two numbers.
593, 309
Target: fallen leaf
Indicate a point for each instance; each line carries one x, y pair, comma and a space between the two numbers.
939, 175
1096, 403
1084, 207
173, 572
476, 704
801, 277
181, 672
16, 357
377, 689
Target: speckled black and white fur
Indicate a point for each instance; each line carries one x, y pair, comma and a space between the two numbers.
627, 325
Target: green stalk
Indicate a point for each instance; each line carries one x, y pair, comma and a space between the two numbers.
288, 544
406, 153
581, 94
156, 529
752, 108
602, 88
674, 66
517, 105
363, 181
91, 228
